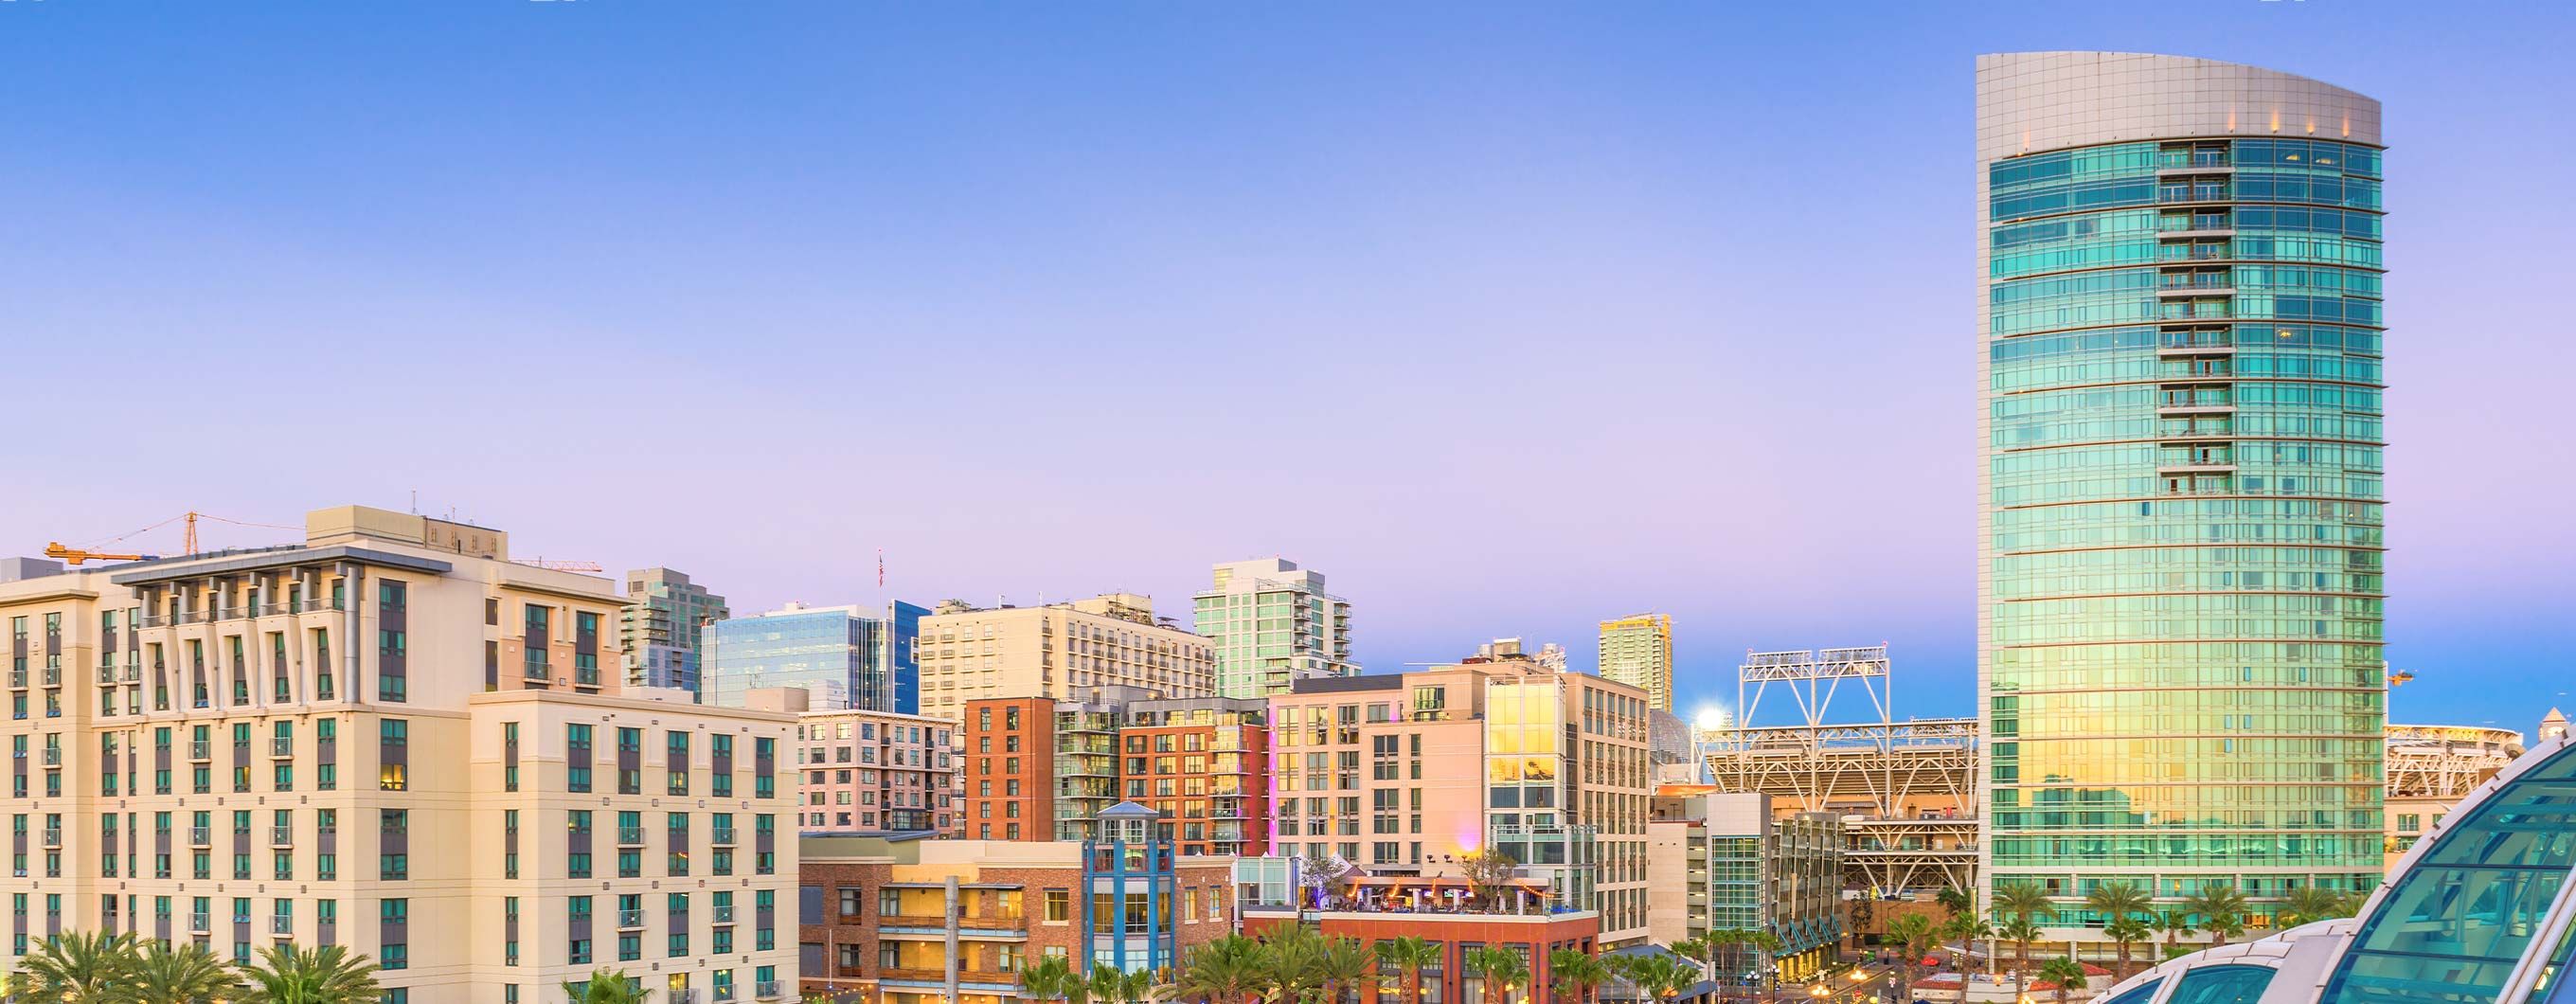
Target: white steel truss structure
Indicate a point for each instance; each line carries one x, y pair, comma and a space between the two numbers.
1867, 771
2446, 761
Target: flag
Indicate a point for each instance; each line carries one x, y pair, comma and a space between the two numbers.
880, 568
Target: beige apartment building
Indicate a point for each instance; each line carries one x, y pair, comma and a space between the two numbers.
200, 754
1063, 651
1407, 773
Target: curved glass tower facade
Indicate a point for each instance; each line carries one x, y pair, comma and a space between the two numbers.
2180, 580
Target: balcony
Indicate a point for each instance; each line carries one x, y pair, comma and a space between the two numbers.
913, 975
724, 991
538, 672
281, 836
630, 920
281, 926
689, 996
53, 756
766, 990
201, 836
281, 746
201, 749
201, 923
133, 673
2196, 289
994, 922
630, 836
53, 676
106, 674
53, 836
721, 835
724, 914
899, 920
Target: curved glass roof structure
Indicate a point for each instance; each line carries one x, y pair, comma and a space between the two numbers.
2481, 912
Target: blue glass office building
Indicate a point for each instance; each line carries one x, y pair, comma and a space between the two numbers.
2180, 579
844, 657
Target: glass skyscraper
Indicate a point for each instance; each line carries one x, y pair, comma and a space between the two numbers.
843, 657
2180, 587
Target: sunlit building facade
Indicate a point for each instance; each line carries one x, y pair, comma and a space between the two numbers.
1638, 651
2180, 580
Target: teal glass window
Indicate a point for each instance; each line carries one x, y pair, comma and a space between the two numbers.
2222, 985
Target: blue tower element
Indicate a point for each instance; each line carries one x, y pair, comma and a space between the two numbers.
1128, 887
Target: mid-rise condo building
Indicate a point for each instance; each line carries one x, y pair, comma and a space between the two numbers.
237, 749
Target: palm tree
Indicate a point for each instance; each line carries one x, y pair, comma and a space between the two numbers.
2174, 925
1913, 933
1576, 974
1230, 969
76, 968
1046, 979
2308, 904
2068, 974
1956, 900
183, 975
606, 986
1343, 963
1106, 985
2116, 902
2221, 909
1291, 960
1501, 968
1967, 927
2023, 901
1409, 955
2021, 932
2126, 930
1658, 976
1764, 944
330, 974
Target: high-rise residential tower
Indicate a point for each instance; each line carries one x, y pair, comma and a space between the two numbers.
1273, 624
2179, 567
663, 627
1086, 650
1638, 651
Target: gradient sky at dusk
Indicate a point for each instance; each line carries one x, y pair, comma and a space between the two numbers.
1507, 318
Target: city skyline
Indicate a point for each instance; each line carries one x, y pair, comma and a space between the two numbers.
657, 222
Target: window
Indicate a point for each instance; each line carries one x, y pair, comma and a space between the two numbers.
679, 754
395, 915
577, 910
395, 826
510, 769
577, 755
1059, 905
393, 753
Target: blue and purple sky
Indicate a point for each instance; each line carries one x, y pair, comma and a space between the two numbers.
1508, 318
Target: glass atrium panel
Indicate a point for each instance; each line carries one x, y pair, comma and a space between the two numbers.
2222, 985
2457, 922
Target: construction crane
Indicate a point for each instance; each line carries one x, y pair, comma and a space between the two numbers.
557, 566
74, 556
187, 540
